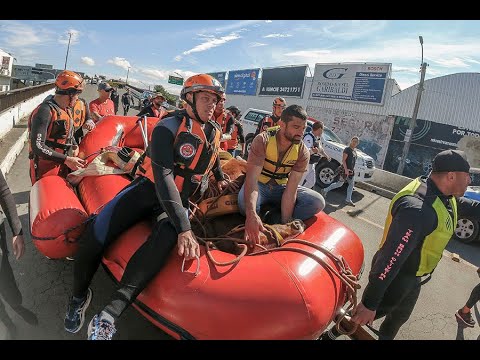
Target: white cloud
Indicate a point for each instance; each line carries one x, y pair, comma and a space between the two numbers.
87, 60
21, 35
452, 62
155, 74
235, 25
277, 35
256, 44
268, 21
74, 40
120, 62
351, 29
210, 43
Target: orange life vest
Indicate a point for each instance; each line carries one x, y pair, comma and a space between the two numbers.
194, 157
79, 114
267, 122
58, 137
233, 142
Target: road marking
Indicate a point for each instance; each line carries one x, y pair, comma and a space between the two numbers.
348, 212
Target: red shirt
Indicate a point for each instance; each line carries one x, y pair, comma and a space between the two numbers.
103, 109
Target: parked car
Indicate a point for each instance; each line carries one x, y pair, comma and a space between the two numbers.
467, 230
326, 171
249, 121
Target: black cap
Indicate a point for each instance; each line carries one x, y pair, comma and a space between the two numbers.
450, 160
104, 86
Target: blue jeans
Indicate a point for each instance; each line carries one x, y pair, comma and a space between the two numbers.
308, 202
351, 182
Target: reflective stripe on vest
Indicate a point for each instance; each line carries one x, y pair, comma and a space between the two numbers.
434, 244
273, 168
188, 170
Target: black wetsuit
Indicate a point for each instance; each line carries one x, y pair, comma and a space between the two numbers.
134, 203
39, 127
394, 293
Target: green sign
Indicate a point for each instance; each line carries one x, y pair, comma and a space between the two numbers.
175, 80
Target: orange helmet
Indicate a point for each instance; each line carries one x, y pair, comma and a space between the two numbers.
202, 82
279, 101
69, 82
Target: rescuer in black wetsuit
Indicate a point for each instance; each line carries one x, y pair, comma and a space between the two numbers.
8, 287
174, 176
421, 220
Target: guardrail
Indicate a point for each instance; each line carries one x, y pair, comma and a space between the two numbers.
12, 98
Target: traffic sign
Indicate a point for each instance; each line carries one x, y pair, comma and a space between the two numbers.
175, 80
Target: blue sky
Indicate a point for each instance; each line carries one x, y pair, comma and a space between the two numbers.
155, 49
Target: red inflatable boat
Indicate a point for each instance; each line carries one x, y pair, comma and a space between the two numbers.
277, 295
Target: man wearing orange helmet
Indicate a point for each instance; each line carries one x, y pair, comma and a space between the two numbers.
52, 146
165, 181
279, 104
225, 120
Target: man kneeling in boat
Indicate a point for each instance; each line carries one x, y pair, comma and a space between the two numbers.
276, 163
174, 176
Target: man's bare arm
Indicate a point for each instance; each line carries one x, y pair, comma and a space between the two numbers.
289, 196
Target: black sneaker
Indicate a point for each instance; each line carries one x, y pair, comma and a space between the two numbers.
76, 313
466, 318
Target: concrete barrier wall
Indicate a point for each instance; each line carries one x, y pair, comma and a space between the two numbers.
12, 115
388, 180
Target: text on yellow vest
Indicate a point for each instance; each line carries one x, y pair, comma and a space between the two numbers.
433, 244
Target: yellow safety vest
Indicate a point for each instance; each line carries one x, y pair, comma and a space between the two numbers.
435, 243
273, 168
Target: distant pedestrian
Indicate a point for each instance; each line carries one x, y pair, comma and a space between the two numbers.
348, 169
155, 109
127, 101
116, 99
313, 143
464, 314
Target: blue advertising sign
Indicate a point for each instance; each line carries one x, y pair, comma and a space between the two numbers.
350, 82
220, 76
242, 82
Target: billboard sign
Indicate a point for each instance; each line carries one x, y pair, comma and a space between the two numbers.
364, 83
242, 82
283, 81
220, 76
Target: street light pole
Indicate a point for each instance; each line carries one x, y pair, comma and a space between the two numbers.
68, 48
128, 71
413, 120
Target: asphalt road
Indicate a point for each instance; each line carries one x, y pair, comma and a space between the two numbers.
46, 284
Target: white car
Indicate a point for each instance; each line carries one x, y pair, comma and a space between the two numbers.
325, 171
468, 228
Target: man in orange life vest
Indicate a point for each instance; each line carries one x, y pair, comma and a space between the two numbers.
155, 108
225, 120
279, 104
52, 146
237, 133
166, 181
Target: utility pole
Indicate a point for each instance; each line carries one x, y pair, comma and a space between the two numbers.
68, 48
413, 122
128, 71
